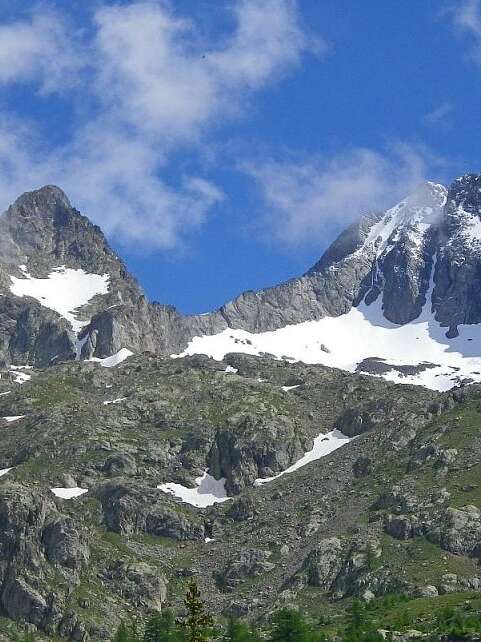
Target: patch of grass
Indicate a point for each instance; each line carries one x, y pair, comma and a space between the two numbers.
421, 562
154, 540
117, 541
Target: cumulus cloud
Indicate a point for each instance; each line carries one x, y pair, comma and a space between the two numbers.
113, 179
117, 178
157, 75
307, 201
269, 40
39, 49
158, 87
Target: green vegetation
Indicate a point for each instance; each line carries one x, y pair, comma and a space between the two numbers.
375, 621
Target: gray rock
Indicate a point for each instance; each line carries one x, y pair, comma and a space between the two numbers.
130, 510
322, 565
140, 583
247, 564
427, 591
22, 602
65, 544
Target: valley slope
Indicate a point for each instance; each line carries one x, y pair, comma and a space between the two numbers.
265, 449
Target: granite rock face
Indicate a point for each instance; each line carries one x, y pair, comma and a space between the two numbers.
426, 247
457, 298
34, 538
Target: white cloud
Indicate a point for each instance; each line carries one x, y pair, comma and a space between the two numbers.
39, 49
308, 201
269, 40
119, 182
467, 14
158, 86
113, 179
439, 115
156, 74
467, 17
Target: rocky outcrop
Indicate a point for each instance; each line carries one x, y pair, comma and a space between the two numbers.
246, 565
254, 447
34, 536
31, 334
141, 584
456, 294
129, 510
323, 564
65, 544
457, 530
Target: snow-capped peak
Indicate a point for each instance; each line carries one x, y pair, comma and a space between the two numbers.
414, 215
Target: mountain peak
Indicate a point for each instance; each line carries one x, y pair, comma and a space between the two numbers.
42, 201
465, 194
428, 194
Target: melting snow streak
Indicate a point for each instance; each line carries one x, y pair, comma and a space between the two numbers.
324, 444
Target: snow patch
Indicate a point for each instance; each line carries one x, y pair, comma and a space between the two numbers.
287, 388
4, 471
208, 491
19, 375
78, 345
413, 216
113, 360
69, 493
65, 290
231, 370
13, 418
360, 334
324, 444
114, 401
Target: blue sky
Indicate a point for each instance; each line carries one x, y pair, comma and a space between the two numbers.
222, 145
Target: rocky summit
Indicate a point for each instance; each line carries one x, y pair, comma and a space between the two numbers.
304, 445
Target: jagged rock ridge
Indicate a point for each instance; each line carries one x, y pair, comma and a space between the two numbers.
423, 253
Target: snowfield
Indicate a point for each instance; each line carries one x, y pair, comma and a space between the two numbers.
64, 291
208, 491
69, 493
19, 375
4, 471
114, 401
113, 360
360, 334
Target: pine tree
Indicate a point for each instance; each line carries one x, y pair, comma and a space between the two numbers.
127, 632
162, 627
289, 625
360, 627
238, 631
198, 624
123, 634
357, 615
